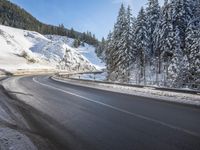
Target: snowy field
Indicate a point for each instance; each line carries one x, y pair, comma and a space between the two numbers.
22, 50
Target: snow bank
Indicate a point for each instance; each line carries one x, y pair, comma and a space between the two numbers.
22, 50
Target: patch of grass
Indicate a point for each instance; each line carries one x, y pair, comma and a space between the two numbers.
24, 54
31, 60
28, 58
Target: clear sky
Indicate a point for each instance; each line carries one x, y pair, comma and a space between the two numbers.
97, 16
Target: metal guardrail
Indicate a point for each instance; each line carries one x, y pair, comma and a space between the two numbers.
178, 90
107, 82
136, 85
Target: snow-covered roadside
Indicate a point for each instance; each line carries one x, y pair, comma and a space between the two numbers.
13, 140
183, 98
15, 133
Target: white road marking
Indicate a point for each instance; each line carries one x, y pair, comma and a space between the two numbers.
122, 110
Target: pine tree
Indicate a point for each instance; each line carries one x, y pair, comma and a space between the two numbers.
182, 15
193, 47
109, 54
76, 43
196, 8
194, 58
179, 65
153, 14
121, 47
141, 40
192, 44
127, 46
170, 34
118, 31
176, 61
163, 39
100, 49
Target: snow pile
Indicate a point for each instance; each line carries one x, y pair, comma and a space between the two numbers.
21, 49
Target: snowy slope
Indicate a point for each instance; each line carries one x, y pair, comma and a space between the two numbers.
21, 49
88, 51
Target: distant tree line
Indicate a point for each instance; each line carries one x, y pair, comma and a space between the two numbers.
14, 16
160, 44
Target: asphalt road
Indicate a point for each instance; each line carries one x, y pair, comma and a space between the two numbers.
77, 117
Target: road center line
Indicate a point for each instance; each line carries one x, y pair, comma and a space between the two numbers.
122, 110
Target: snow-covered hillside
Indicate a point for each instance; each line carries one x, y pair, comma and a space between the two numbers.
21, 49
88, 51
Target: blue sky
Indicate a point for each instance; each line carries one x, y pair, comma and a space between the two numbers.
97, 16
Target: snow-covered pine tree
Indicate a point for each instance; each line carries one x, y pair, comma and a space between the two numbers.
76, 43
192, 35
182, 15
153, 14
195, 6
194, 58
177, 56
141, 38
100, 49
127, 46
134, 74
163, 40
117, 34
122, 45
176, 38
179, 66
134, 45
103, 47
193, 45
108, 52
109, 55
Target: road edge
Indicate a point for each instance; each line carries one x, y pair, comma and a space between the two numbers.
121, 89
22, 127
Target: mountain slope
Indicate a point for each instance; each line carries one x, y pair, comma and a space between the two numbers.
22, 49
14, 16
85, 49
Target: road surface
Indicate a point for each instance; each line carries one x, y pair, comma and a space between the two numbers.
82, 118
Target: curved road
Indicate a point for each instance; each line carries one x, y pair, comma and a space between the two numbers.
77, 117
